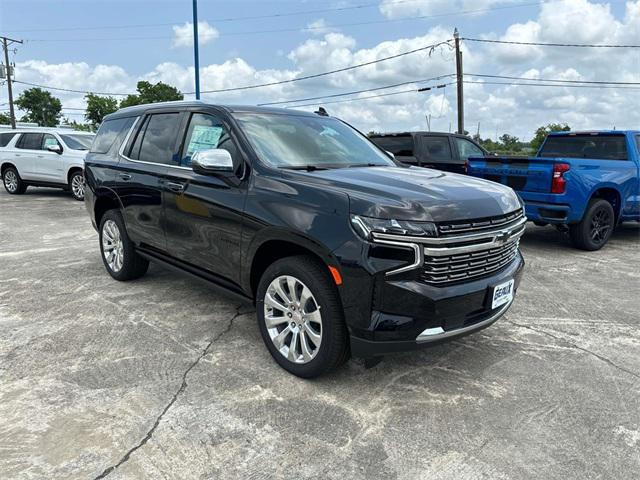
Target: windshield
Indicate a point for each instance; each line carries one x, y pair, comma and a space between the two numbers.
306, 142
78, 142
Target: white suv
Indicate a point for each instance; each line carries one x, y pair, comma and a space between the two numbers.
44, 158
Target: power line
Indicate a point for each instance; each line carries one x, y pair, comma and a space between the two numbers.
70, 90
600, 82
296, 29
618, 87
541, 44
330, 72
355, 92
413, 90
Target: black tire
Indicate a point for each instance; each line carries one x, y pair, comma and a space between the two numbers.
76, 185
540, 224
334, 343
13, 184
595, 228
131, 265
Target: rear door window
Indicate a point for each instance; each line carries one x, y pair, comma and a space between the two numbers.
5, 138
30, 141
606, 147
109, 131
400, 146
467, 149
437, 149
156, 140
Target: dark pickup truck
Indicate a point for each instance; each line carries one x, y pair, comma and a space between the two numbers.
442, 151
586, 181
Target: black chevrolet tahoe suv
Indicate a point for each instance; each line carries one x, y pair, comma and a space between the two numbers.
443, 151
342, 250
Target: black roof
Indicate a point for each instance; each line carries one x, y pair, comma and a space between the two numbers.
141, 109
419, 132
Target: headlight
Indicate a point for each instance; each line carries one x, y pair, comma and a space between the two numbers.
365, 226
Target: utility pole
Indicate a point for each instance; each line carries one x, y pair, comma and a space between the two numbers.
196, 55
5, 45
459, 77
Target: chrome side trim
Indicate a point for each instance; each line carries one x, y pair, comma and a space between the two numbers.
437, 333
417, 251
491, 243
453, 239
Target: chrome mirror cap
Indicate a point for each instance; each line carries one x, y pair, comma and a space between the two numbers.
211, 161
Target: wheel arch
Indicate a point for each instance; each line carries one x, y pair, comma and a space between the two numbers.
6, 165
279, 244
105, 200
611, 195
72, 170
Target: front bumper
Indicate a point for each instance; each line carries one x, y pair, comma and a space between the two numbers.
409, 315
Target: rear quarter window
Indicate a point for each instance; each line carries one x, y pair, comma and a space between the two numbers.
109, 131
5, 138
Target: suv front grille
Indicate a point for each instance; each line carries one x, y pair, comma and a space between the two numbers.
463, 251
439, 270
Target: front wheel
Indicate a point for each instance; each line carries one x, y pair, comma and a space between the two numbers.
595, 228
118, 252
76, 185
301, 318
13, 184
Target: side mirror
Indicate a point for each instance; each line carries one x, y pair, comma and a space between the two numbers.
391, 155
55, 149
212, 161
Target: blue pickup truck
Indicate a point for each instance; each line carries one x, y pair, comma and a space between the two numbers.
586, 182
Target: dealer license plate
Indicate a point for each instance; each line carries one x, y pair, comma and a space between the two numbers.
502, 294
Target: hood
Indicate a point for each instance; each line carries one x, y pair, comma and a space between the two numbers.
418, 194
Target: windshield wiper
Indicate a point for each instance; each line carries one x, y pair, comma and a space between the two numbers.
308, 168
368, 165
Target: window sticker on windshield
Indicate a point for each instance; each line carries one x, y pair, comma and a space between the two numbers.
329, 131
204, 138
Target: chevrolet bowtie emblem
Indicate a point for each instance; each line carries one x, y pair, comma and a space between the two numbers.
503, 237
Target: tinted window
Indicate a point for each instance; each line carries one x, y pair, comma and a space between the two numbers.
206, 132
437, 149
401, 146
30, 141
109, 131
5, 138
607, 147
468, 149
638, 143
159, 138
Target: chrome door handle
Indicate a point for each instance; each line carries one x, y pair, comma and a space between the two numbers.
125, 176
175, 187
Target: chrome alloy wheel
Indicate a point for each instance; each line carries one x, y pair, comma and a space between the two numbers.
77, 186
112, 247
11, 181
293, 319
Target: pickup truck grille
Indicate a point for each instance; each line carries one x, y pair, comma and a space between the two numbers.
446, 269
478, 225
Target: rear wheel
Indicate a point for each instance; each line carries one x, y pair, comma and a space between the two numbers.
76, 185
301, 318
596, 226
118, 252
12, 181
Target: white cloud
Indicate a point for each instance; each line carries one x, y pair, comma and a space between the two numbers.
183, 34
319, 27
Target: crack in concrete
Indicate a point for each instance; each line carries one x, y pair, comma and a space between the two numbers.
182, 388
577, 347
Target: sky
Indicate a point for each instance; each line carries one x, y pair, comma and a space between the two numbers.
108, 46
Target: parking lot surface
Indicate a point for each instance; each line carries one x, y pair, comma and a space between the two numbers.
164, 378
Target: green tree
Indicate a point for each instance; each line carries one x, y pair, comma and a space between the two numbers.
510, 142
82, 127
5, 119
98, 107
152, 93
542, 132
41, 107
